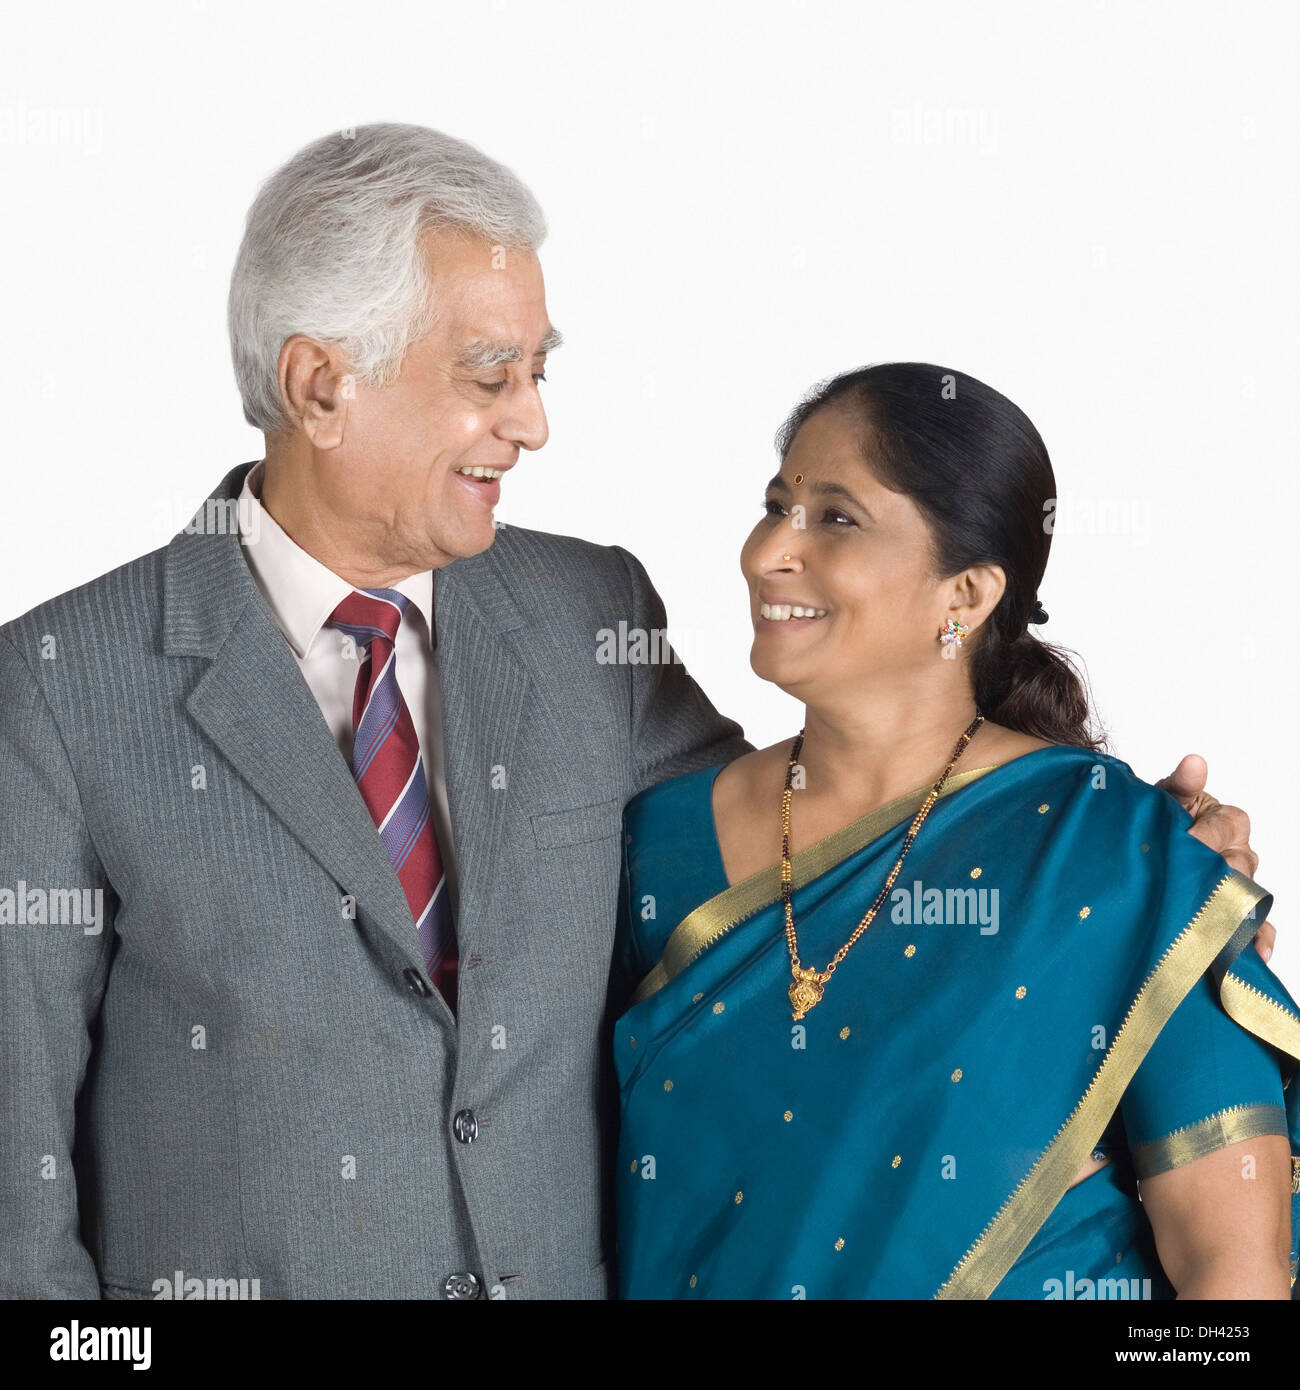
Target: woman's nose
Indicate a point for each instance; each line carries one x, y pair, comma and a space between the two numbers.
781, 552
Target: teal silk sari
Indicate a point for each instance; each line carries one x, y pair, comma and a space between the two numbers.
1060, 972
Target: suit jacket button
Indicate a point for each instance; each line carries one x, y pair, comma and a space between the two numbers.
415, 982
465, 1126
461, 1286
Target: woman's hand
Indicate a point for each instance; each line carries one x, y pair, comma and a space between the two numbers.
1223, 1222
1226, 829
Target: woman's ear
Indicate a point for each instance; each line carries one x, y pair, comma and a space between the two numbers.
976, 592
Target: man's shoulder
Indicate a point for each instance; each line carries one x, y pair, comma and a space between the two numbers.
111, 608
558, 582
520, 550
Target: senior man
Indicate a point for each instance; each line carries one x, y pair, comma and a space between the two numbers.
342, 786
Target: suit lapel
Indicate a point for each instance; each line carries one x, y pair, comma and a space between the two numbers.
255, 706
483, 686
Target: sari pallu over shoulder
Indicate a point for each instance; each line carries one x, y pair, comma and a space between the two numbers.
1110, 914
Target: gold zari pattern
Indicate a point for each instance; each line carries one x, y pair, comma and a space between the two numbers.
1206, 1136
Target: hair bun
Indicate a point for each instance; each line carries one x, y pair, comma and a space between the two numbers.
1039, 615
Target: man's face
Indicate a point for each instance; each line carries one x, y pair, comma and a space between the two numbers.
401, 470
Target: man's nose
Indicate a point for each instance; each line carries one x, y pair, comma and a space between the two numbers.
527, 425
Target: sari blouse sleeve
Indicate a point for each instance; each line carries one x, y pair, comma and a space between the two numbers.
1205, 1083
1213, 1075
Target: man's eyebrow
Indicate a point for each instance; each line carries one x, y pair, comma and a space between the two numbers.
487, 353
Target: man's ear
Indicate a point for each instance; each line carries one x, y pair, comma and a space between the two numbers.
315, 389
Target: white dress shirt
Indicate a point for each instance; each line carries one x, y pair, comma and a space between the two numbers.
301, 594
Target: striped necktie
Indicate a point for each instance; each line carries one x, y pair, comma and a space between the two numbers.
389, 771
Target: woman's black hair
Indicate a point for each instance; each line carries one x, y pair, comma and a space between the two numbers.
979, 472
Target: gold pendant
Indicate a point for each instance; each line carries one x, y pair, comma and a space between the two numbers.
806, 992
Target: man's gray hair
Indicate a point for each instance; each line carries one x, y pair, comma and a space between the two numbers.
332, 249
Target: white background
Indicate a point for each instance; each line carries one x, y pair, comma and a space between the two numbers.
1092, 206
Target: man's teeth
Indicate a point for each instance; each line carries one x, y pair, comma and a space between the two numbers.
477, 472
783, 612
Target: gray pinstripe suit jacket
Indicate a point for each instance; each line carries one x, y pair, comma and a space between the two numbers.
236, 1079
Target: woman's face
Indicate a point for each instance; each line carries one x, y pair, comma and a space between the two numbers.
859, 568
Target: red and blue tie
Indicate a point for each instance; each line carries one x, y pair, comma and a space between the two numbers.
389, 771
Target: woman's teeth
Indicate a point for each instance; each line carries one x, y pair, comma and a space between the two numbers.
783, 612
476, 472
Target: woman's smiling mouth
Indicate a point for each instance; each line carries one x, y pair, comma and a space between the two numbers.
790, 612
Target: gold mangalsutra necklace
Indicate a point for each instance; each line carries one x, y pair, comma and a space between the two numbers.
810, 984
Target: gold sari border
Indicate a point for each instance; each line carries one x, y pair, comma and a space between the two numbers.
1206, 1136
1234, 946
982, 1268
1264, 1017
712, 920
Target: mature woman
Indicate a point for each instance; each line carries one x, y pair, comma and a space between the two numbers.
924, 997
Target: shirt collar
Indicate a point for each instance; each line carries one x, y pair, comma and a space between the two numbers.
301, 592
